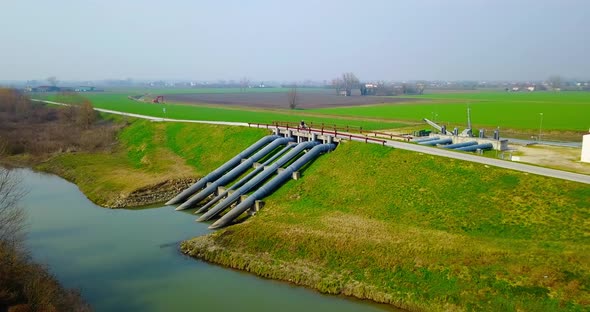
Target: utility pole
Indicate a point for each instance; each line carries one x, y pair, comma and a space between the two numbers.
540, 126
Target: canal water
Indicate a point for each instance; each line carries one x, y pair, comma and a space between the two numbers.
128, 260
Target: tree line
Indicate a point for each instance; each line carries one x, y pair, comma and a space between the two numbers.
35, 129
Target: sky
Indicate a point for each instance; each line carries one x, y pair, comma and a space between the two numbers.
294, 40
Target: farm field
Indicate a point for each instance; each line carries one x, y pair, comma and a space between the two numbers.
561, 111
307, 100
121, 102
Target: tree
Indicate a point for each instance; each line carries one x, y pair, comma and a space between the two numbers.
555, 82
244, 84
86, 114
293, 98
346, 83
52, 81
12, 217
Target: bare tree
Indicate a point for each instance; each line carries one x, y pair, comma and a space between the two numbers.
12, 217
244, 84
52, 80
555, 82
293, 97
86, 114
346, 83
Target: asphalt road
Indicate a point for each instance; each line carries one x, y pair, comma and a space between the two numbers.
553, 173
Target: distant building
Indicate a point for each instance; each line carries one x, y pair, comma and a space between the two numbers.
369, 89
46, 89
85, 89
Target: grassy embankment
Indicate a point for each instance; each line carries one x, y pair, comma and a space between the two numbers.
562, 111
419, 232
151, 155
121, 102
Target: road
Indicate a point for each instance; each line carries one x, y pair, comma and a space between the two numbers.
553, 143
553, 173
108, 111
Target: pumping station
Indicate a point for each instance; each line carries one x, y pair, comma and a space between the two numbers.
463, 141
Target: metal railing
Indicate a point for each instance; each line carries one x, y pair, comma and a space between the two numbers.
322, 131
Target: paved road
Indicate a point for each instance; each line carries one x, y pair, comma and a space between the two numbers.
226, 123
529, 142
559, 174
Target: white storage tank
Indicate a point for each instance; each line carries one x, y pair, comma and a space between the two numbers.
586, 148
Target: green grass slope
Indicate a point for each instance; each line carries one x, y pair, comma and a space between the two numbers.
150, 153
419, 232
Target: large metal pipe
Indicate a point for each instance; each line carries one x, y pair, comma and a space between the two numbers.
435, 142
425, 140
269, 187
474, 148
245, 179
267, 172
436, 126
234, 173
462, 144
221, 170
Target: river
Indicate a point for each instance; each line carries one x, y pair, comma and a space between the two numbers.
128, 259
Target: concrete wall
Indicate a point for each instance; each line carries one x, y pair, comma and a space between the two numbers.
586, 148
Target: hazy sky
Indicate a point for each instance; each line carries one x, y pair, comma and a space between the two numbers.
294, 40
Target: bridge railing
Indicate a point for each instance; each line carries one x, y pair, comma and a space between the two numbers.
389, 135
322, 131
320, 125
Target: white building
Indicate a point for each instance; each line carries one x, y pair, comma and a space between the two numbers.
586, 148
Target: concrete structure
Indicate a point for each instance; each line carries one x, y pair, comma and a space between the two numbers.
304, 135
499, 145
586, 149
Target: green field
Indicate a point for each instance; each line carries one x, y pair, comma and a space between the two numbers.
561, 110
121, 102
419, 232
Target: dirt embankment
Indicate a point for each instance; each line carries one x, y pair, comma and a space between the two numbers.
150, 194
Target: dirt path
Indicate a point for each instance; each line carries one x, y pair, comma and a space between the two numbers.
563, 158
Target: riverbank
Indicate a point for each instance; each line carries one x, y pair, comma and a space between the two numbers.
418, 232
151, 162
